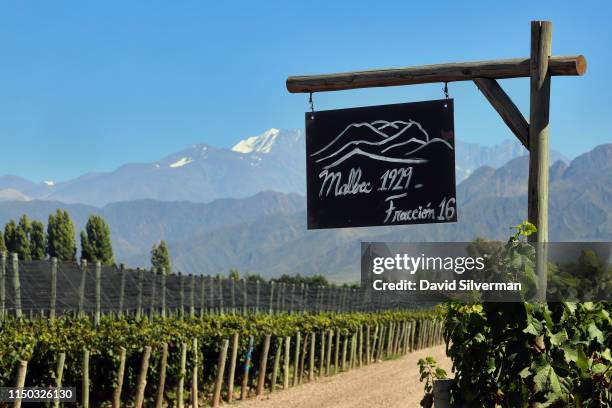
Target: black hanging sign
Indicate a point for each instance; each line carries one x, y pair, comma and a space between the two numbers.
381, 165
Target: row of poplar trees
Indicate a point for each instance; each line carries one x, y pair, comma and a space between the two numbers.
29, 240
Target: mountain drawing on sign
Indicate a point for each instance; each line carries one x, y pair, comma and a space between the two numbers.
394, 142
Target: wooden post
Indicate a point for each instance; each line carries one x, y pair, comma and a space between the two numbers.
220, 295
20, 383
233, 295
328, 353
98, 293
303, 358
245, 303
244, 391
202, 296
17, 286
360, 350
194, 375
220, 373
271, 309
337, 353
153, 302
159, 398
537, 195
85, 382
367, 345
296, 358
263, 365
277, 357
458, 71
120, 373
121, 288
232, 370
2, 285
180, 401
344, 350
163, 292
192, 296
372, 356
59, 375
322, 354
311, 357
53, 300
286, 362
142, 377
139, 296
257, 284
181, 295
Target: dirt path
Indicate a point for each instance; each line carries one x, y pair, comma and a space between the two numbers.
390, 384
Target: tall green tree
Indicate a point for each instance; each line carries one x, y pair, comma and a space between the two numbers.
61, 241
38, 241
10, 236
160, 257
22, 238
96, 242
2, 244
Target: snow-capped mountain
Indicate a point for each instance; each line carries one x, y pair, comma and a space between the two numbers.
273, 160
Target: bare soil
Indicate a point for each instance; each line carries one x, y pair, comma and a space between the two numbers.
388, 384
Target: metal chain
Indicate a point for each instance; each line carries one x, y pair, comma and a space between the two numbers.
311, 103
445, 90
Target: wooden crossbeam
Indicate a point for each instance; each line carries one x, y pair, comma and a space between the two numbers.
462, 71
502, 103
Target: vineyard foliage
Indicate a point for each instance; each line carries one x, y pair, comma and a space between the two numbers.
40, 341
530, 354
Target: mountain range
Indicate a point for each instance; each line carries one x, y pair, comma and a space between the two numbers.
266, 231
274, 160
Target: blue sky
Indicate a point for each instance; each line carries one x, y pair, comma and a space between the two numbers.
89, 86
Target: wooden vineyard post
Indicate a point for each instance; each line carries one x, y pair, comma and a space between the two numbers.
53, 289
180, 401
59, 375
232, 282
139, 295
367, 345
257, 289
194, 375
202, 297
82, 286
337, 352
159, 397
344, 350
20, 383
120, 373
537, 195
85, 381
286, 362
181, 295
232, 370
245, 303
244, 391
220, 373
192, 295
372, 356
277, 357
153, 300
142, 377
296, 357
121, 289
303, 358
98, 293
263, 365
17, 286
360, 350
163, 292
322, 354
311, 357
220, 280
328, 353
